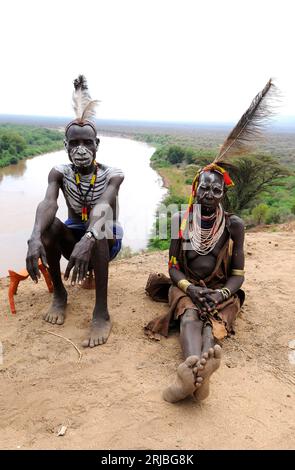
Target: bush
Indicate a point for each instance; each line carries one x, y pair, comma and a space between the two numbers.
158, 244
259, 213
175, 154
189, 181
277, 215
190, 156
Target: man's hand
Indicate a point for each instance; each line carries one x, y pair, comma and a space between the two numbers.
79, 260
36, 250
199, 297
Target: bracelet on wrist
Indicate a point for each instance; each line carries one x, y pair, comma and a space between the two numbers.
225, 292
183, 284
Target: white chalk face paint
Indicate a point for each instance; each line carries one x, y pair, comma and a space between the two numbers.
81, 156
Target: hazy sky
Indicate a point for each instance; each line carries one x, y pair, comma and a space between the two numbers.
178, 60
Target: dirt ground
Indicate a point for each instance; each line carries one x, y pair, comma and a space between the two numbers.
112, 398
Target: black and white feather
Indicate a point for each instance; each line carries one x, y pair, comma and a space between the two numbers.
250, 126
84, 106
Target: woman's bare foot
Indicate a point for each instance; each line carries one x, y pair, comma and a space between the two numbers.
99, 332
56, 312
212, 361
186, 381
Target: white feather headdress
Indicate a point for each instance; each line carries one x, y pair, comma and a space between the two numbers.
84, 107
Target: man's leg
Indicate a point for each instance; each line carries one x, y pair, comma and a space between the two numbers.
89, 282
57, 240
101, 324
187, 379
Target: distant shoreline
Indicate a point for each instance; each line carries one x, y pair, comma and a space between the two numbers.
285, 124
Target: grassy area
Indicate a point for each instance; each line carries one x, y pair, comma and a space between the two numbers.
174, 179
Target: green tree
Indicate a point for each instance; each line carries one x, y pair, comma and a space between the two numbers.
175, 154
11, 141
190, 156
253, 176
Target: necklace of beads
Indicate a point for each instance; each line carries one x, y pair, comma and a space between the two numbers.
203, 240
84, 213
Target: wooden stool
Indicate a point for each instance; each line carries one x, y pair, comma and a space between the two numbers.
15, 278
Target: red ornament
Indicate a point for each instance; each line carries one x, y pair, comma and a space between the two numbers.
227, 179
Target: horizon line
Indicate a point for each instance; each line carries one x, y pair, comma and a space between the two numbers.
282, 120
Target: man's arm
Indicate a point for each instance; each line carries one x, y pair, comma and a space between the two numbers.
45, 215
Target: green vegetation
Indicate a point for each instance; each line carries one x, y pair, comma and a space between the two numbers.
18, 142
264, 190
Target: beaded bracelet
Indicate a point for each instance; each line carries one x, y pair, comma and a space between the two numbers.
225, 292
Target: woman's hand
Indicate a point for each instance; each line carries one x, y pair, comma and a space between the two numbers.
199, 297
214, 298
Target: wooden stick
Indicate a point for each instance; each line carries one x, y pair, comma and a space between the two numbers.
69, 341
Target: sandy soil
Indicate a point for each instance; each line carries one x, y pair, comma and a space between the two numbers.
112, 398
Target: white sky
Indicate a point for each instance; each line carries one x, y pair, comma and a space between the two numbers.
177, 60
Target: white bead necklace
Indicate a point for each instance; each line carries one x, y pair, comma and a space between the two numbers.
203, 240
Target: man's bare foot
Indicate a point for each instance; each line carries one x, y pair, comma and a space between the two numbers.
56, 312
186, 381
212, 361
99, 332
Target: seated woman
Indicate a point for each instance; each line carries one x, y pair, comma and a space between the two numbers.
206, 266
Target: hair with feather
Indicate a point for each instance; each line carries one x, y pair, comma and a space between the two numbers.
83, 105
237, 143
250, 126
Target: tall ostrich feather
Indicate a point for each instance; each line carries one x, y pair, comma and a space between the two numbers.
250, 126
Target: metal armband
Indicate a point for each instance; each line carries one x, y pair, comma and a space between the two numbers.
183, 284
238, 272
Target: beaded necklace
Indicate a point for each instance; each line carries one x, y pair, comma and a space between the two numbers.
84, 214
202, 239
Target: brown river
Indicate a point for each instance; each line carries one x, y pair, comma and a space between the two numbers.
23, 186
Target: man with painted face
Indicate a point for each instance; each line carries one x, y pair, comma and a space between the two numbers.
91, 236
